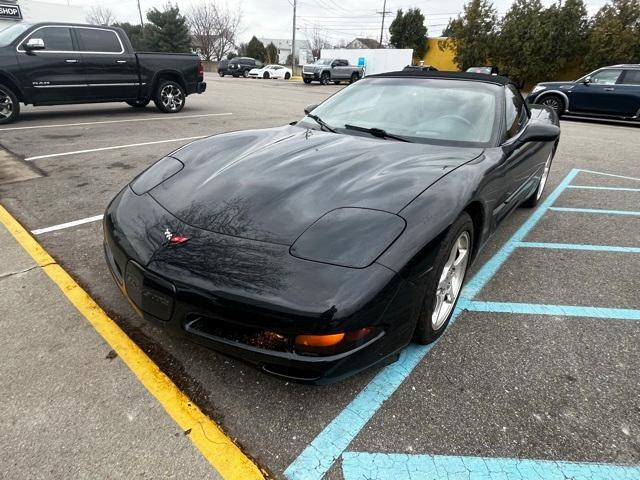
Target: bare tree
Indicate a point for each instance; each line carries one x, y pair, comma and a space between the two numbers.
214, 28
317, 40
101, 16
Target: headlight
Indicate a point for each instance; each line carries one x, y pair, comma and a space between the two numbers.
538, 88
349, 237
156, 174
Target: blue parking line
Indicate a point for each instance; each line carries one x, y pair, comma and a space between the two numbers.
383, 466
579, 246
556, 310
595, 210
619, 189
316, 459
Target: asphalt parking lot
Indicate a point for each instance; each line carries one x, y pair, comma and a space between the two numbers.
542, 364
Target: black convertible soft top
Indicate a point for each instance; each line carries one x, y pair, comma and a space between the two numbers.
478, 77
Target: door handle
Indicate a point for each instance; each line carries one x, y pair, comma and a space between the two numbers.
609, 89
121, 61
71, 60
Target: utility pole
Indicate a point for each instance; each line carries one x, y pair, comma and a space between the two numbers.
140, 12
293, 41
383, 12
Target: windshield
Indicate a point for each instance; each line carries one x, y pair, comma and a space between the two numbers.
323, 61
424, 110
9, 34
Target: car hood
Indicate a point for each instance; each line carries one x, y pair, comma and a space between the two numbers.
272, 184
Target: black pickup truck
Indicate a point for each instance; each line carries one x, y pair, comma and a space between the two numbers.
56, 64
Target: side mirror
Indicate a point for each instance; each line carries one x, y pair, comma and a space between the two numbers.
334, 64
34, 44
587, 80
537, 131
310, 108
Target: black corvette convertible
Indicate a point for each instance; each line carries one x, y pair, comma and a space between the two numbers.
317, 249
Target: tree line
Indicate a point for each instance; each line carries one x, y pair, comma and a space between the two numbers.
532, 43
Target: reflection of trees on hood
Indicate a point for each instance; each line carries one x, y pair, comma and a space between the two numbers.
213, 253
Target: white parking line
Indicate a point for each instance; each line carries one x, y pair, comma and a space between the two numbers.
64, 154
148, 119
62, 226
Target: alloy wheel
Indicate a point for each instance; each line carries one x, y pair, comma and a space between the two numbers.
172, 97
451, 280
6, 105
552, 102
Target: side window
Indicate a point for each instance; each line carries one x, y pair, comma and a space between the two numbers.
516, 112
631, 77
55, 39
606, 77
103, 41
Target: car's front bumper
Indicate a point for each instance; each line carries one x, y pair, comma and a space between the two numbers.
219, 290
311, 76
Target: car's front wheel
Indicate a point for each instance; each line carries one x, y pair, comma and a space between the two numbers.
245, 74
446, 280
169, 97
306, 80
287, 76
265, 75
9, 105
325, 78
555, 102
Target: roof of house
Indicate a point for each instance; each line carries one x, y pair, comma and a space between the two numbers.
367, 42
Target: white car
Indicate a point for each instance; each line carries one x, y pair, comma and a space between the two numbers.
271, 71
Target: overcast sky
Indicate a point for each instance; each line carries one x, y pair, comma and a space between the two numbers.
338, 19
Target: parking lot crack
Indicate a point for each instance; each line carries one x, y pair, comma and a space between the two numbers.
23, 271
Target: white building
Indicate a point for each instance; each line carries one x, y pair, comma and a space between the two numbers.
303, 50
12, 11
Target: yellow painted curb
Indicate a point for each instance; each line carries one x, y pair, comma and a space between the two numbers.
219, 450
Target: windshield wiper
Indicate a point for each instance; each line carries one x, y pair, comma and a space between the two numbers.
320, 122
377, 132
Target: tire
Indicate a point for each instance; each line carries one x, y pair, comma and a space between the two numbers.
9, 105
221, 74
265, 75
306, 80
138, 103
336, 82
354, 78
169, 97
287, 76
535, 197
245, 74
556, 102
325, 78
455, 249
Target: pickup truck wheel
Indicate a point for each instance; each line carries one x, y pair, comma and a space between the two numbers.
169, 97
245, 74
354, 78
9, 105
138, 103
306, 80
325, 78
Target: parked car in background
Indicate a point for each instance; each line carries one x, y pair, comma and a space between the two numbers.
223, 67
271, 71
484, 70
334, 70
420, 68
63, 63
610, 92
241, 66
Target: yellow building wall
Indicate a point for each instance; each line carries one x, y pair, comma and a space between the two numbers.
441, 59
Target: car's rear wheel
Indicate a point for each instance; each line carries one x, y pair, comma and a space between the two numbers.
169, 97
555, 102
287, 76
221, 74
535, 197
138, 103
445, 283
265, 75
354, 78
9, 105
306, 80
245, 74
325, 78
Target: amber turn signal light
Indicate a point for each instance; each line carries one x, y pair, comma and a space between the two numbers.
319, 340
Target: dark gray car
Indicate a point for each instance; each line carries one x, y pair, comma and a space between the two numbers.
334, 70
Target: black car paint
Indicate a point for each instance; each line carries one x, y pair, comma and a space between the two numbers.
238, 269
580, 97
55, 78
240, 66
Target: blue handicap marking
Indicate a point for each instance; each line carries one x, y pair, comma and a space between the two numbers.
384, 466
330, 445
